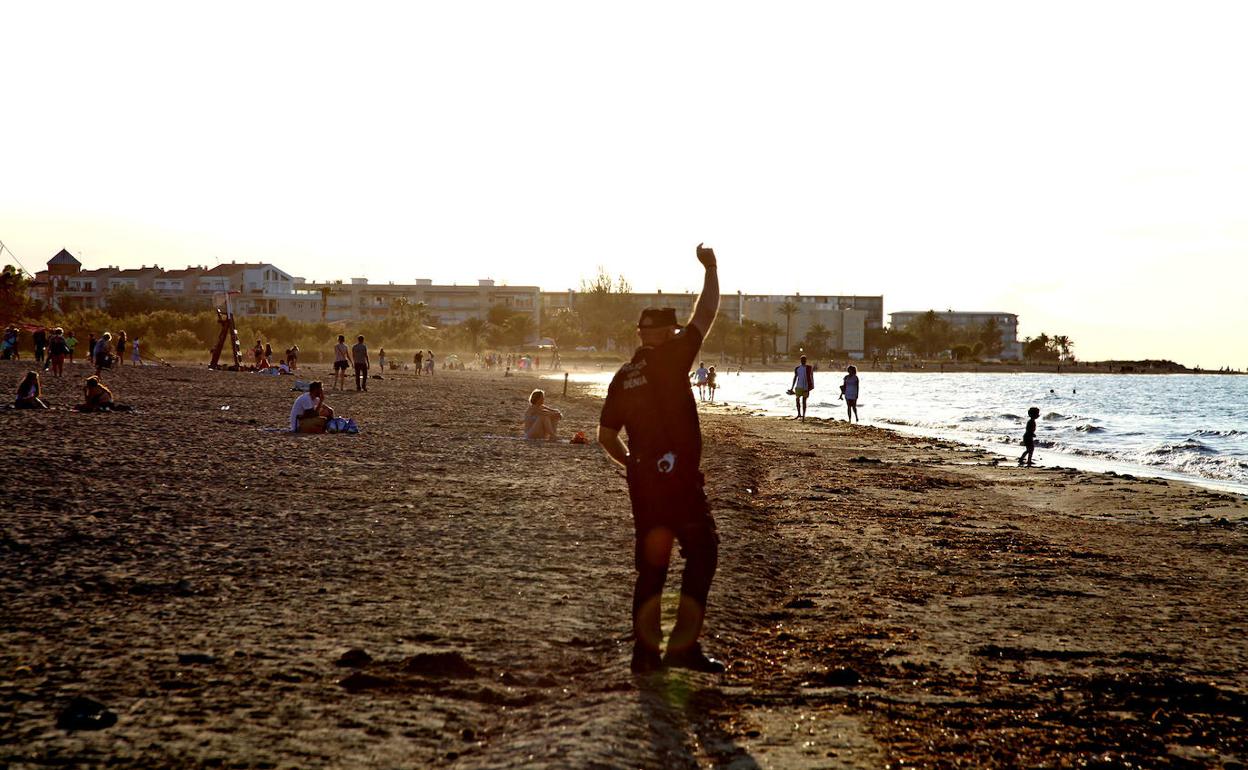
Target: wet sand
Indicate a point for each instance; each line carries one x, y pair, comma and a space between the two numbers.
435, 592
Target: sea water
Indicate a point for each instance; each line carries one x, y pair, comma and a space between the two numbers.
1184, 426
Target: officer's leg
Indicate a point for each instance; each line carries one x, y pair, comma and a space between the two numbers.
653, 553
699, 545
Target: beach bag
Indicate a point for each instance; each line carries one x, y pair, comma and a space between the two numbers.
341, 425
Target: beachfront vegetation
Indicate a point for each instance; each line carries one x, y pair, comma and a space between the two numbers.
788, 310
15, 302
1046, 348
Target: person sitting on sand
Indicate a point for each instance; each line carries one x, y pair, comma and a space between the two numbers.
29, 392
96, 396
310, 412
540, 421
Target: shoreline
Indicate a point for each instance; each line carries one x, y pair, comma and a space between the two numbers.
881, 598
1090, 462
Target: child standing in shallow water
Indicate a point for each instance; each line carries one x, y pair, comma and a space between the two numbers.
1029, 438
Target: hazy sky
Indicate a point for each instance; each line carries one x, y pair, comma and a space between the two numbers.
1082, 164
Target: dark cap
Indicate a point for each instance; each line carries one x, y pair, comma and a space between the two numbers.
657, 317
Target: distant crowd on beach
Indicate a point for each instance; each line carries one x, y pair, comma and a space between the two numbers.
53, 346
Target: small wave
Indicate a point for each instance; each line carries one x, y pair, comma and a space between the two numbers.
1190, 446
1226, 468
1009, 416
1090, 429
1055, 416
1218, 433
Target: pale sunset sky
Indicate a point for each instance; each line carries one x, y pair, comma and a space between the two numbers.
1081, 164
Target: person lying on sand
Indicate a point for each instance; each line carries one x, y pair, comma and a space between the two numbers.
310, 412
96, 396
540, 421
29, 392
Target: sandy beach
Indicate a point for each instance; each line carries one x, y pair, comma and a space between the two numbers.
435, 592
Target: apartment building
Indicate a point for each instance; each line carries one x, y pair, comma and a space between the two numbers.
260, 285
845, 318
446, 305
964, 320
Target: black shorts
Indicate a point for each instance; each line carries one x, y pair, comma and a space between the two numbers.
661, 501
340, 365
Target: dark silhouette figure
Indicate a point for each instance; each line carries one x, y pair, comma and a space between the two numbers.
650, 398
1029, 438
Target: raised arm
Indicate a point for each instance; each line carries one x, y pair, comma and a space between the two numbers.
708, 301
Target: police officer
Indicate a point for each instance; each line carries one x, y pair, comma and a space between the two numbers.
650, 398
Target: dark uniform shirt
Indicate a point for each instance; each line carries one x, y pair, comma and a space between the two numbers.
651, 400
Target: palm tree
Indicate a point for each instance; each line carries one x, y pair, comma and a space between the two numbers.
519, 328
817, 337
473, 328
745, 333
767, 331
788, 309
1064, 344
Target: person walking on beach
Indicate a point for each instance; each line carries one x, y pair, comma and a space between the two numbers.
699, 378
258, 353
849, 392
417, 357
429, 362
135, 358
359, 354
41, 343
381, 361
58, 348
803, 383
120, 348
342, 359
710, 383
1029, 438
101, 353
650, 398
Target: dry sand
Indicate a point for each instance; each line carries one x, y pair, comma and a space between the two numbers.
882, 600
